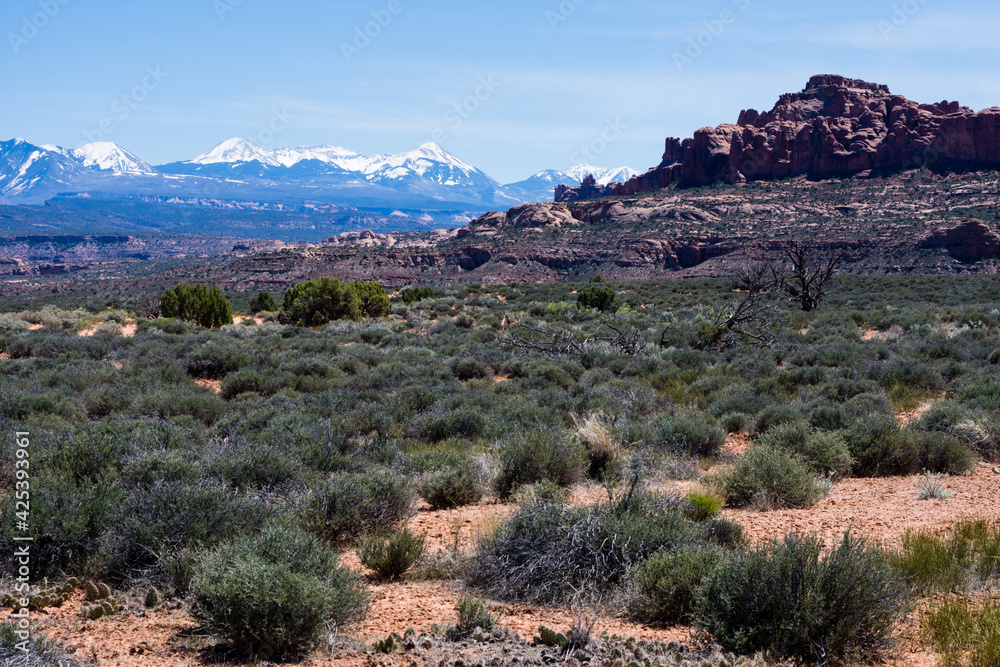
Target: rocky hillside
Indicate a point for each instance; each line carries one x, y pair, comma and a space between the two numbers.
835, 128
914, 222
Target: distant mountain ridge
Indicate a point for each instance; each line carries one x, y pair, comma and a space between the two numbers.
427, 177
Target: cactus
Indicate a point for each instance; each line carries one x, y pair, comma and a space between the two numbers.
107, 607
386, 646
96, 612
92, 591
549, 637
68, 588
73, 582
104, 591
152, 598
7, 601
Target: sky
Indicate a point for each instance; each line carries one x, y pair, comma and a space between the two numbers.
512, 87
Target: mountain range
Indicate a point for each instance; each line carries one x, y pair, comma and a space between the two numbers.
239, 170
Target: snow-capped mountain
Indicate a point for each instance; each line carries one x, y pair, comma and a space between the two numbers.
603, 176
427, 177
541, 186
428, 171
28, 171
107, 156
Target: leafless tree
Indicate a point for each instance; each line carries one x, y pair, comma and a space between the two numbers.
623, 337
808, 271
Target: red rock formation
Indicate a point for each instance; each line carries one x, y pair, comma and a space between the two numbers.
971, 241
835, 128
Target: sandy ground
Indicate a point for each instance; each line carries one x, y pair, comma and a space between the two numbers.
212, 385
128, 330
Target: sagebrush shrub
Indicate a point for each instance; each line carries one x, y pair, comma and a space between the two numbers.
790, 599
826, 453
548, 553
666, 585
273, 594
347, 506
880, 448
529, 457
451, 488
770, 478
689, 433
390, 559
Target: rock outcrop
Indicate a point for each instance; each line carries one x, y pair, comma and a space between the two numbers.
970, 241
835, 128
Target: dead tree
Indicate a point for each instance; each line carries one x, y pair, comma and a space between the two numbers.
750, 319
809, 271
624, 338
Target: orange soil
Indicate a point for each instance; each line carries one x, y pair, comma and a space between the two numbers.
128, 330
880, 509
213, 385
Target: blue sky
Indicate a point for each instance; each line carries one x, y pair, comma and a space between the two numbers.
537, 84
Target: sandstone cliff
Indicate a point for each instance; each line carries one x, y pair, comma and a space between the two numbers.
835, 128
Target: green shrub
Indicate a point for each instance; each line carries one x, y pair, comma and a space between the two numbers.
373, 300
67, 522
690, 434
966, 633
776, 415
317, 302
390, 559
528, 457
666, 585
451, 488
547, 553
702, 506
472, 615
469, 369
166, 517
348, 506
601, 298
263, 302
826, 453
416, 294
965, 554
735, 422
942, 453
769, 478
273, 594
880, 448
789, 599
203, 305
216, 360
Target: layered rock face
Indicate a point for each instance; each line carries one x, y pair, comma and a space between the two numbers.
835, 128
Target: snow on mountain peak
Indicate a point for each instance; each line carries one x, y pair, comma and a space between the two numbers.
236, 150
108, 156
602, 174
